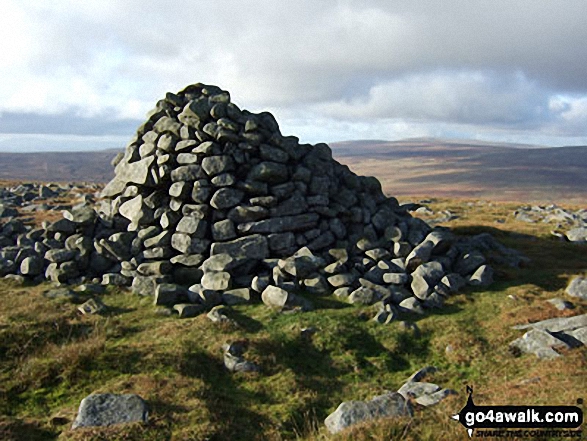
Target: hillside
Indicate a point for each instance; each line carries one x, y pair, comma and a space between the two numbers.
468, 169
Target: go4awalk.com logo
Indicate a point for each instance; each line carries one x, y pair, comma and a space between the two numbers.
557, 419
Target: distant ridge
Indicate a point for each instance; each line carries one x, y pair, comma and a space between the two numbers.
415, 166
58, 166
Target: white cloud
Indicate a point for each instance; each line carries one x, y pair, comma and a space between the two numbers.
405, 65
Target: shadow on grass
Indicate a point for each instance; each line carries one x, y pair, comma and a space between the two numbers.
551, 260
229, 404
244, 321
16, 430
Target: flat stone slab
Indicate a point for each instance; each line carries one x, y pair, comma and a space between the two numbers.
539, 342
99, 410
558, 324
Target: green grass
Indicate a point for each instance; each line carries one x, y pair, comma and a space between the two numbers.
51, 357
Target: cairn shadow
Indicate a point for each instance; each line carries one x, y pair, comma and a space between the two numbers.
244, 321
229, 404
551, 260
16, 430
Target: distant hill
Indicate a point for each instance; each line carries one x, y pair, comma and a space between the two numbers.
58, 166
471, 169
410, 167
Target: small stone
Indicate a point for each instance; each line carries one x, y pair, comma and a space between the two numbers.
560, 304
188, 310
92, 306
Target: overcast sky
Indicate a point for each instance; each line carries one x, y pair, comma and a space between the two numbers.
83, 74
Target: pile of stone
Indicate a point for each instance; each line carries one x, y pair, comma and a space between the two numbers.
569, 225
211, 204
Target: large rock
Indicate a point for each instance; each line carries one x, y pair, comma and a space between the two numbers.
99, 410
578, 288
349, 413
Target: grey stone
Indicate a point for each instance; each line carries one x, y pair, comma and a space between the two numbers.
578, 288
453, 283
345, 279
192, 225
577, 234
217, 314
277, 297
240, 214
349, 413
223, 230
396, 278
114, 279
60, 255
560, 304
189, 260
469, 263
415, 389
250, 247
168, 294
83, 215
435, 398
557, 324
156, 268
145, 285
540, 342
411, 304
128, 172
283, 224
99, 410
270, 172
425, 278
214, 165
236, 296
217, 281
362, 296
32, 266
188, 310
419, 255
221, 262
238, 364
92, 306
259, 283
316, 285
226, 198
579, 334
483, 276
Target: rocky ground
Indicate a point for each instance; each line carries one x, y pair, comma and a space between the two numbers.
547, 335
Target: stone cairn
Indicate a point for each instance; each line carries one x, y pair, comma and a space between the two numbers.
210, 204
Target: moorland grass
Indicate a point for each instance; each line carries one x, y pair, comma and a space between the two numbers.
51, 356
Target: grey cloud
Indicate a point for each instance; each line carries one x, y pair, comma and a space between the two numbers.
490, 64
65, 123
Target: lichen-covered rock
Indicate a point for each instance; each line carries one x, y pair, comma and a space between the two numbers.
99, 410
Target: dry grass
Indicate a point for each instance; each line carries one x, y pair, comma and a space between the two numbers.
51, 356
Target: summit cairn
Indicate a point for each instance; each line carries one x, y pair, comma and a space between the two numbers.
211, 204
